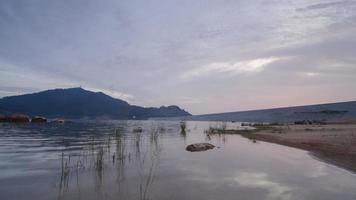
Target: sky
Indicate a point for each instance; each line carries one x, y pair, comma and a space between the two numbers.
206, 56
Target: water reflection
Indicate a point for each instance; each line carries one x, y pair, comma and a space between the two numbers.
259, 180
147, 160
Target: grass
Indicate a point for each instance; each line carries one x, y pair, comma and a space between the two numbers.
137, 130
221, 128
137, 139
217, 129
183, 126
110, 152
99, 160
64, 173
261, 127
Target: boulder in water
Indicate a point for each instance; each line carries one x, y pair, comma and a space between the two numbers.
2, 118
199, 147
38, 119
18, 118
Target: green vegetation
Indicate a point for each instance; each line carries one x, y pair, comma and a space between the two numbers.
183, 126
261, 126
221, 128
217, 129
326, 112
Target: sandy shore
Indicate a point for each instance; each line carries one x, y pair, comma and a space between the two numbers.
334, 143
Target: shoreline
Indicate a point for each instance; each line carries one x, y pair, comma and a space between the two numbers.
332, 143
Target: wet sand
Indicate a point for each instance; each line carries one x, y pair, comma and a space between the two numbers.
333, 143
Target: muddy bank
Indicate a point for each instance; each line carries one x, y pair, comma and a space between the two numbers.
334, 143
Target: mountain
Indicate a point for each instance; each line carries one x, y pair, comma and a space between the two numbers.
332, 112
78, 103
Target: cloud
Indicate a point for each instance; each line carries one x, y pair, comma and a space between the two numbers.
17, 80
158, 53
248, 66
119, 95
312, 74
328, 5
28, 81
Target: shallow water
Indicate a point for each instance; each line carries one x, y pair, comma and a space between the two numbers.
113, 160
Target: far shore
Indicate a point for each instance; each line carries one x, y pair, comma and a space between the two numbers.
333, 143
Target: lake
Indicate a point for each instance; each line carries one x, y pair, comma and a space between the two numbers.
147, 160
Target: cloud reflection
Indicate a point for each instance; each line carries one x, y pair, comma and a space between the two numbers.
261, 180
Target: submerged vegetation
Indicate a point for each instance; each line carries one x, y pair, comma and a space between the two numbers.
115, 152
183, 127
218, 128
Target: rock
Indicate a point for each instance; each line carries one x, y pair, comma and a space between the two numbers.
2, 118
199, 147
303, 122
15, 118
137, 130
310, 122
18, 118
38, 119
319, 122
59, 120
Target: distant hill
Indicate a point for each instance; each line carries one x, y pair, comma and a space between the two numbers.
79, 103
335, 112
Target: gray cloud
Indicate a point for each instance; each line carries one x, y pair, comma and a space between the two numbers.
331, 4
140, 51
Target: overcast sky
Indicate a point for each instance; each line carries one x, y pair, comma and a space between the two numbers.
204, 55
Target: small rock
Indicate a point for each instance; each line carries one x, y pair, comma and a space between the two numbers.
38, 119
2, 118
18, 118
59, 120
199, 147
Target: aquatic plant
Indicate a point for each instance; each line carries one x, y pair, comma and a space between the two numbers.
223, 125
183, 126
214, 130
218, 128
99, 150
99, 159
64, 180
154, 137
137, 139
137, 130
120, 147
146, 184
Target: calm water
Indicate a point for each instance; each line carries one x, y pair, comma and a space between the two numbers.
114, 160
